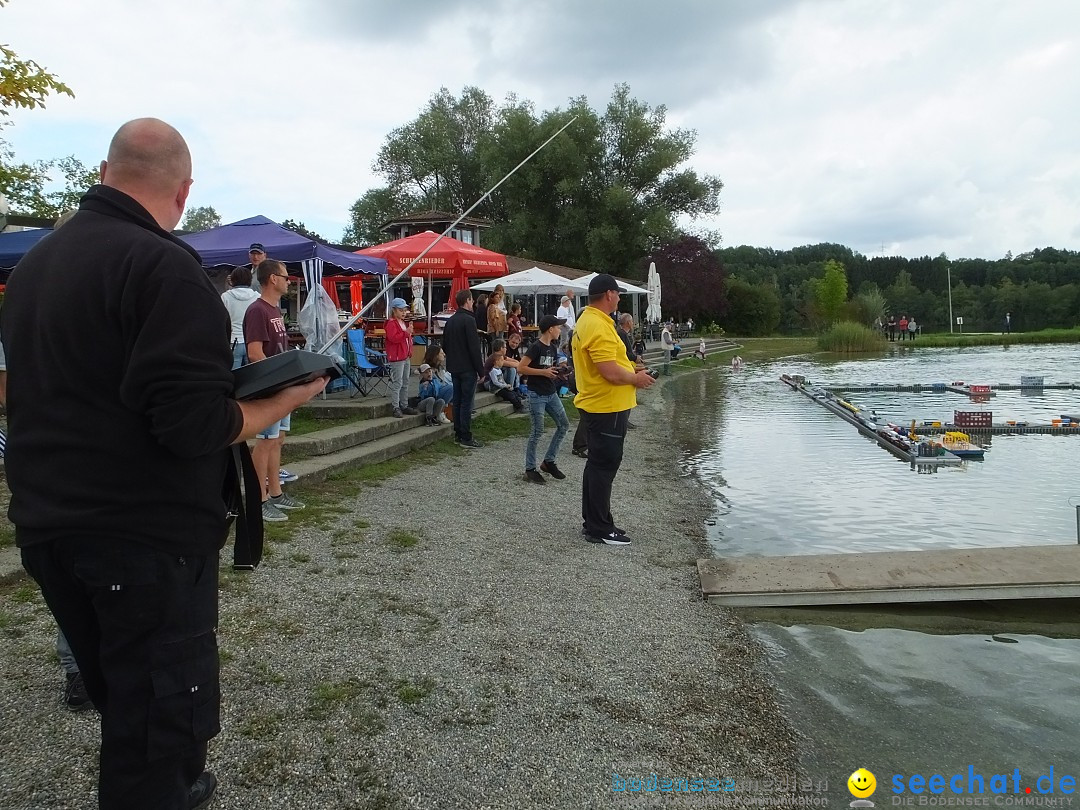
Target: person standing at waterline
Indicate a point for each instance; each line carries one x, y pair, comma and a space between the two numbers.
607, 391
127, 557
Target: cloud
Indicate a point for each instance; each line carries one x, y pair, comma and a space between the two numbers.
929, 126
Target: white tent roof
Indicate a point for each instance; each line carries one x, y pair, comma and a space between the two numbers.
535, 281
626, 285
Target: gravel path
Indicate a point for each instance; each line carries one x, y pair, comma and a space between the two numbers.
448, 640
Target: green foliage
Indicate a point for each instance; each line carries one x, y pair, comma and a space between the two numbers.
830, 292
849, 337
869, 306
200, 218
26, 186
1040, 288
753, 309
608, 191
300, 228
945, 340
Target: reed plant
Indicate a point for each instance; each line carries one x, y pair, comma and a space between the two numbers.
849, 337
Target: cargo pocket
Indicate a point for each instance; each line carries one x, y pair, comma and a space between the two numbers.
185, 710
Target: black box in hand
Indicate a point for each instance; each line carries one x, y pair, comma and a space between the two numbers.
266, 377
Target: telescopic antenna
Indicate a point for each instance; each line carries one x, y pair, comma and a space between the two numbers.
436, 241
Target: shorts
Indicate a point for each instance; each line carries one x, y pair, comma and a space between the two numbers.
277, 428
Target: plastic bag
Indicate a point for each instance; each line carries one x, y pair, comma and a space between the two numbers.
318, 322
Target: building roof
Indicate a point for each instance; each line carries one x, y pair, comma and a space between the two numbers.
427, 217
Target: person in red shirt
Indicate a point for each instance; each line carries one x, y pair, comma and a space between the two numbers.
399, 335
903, 327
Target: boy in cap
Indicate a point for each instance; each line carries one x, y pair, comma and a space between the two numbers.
399, 335
538, 367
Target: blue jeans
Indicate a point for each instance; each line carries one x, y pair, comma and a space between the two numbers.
64, 653
539, 404
239, 354
464, 396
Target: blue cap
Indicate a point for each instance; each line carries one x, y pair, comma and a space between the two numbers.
398, 303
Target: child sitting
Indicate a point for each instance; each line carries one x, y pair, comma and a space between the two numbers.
498, 386
432, 404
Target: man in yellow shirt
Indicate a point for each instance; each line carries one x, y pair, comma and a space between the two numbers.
607, 390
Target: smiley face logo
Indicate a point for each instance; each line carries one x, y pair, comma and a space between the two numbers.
861, 783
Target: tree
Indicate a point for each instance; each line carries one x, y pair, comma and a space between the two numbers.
609, 190
753, 309
692, 280
298, 227
23, 84
200, 218
25, 186
372, 210
831, 292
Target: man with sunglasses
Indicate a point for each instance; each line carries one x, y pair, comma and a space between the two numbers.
265, 336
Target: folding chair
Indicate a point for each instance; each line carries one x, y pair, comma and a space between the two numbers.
372, 373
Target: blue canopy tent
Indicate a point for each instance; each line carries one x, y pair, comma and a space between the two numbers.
14, 245
228, 245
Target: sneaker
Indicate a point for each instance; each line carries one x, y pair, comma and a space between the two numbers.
630, 425
200, 794
609, 539
534, 477
550, 468
471, 444
442, 419
75, 693
287, 477
271, 514
616, 529
398, 414
283, 501
410, 411
581, 453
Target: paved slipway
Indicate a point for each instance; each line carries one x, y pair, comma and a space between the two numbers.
498, 662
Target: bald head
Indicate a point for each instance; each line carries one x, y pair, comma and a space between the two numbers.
149, 160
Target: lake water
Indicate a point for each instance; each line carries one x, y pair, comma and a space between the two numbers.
788, 477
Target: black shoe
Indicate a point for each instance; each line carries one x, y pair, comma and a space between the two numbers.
398, 414
550, 468
616, 529
75, 696
631, 426
471, 444
581, 453
534, 477
609, 539
410, 411
200, 794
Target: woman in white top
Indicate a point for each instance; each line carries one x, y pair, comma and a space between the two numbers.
236, 300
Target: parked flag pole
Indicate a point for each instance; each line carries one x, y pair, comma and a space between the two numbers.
434, 242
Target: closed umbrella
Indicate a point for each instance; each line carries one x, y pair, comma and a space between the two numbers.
653, 313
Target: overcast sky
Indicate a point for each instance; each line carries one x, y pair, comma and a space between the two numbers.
910, 128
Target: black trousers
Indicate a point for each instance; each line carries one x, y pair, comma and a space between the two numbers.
605, 433
581, 440
464, 397
141, 624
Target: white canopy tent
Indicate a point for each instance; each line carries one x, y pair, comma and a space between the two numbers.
631, 289
534, 282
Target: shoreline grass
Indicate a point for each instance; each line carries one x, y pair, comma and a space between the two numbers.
945, 340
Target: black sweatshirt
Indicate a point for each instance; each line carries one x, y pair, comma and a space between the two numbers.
120, 408
461, 343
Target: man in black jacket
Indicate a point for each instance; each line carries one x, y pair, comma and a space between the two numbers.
461, 343
121, 415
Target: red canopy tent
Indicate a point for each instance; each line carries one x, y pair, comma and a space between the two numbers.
450, 259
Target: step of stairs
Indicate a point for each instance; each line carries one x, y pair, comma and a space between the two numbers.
371, 441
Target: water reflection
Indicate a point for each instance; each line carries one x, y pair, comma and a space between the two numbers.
788, 477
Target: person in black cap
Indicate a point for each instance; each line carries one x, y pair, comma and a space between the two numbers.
607, 390
539, 367
257, 255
